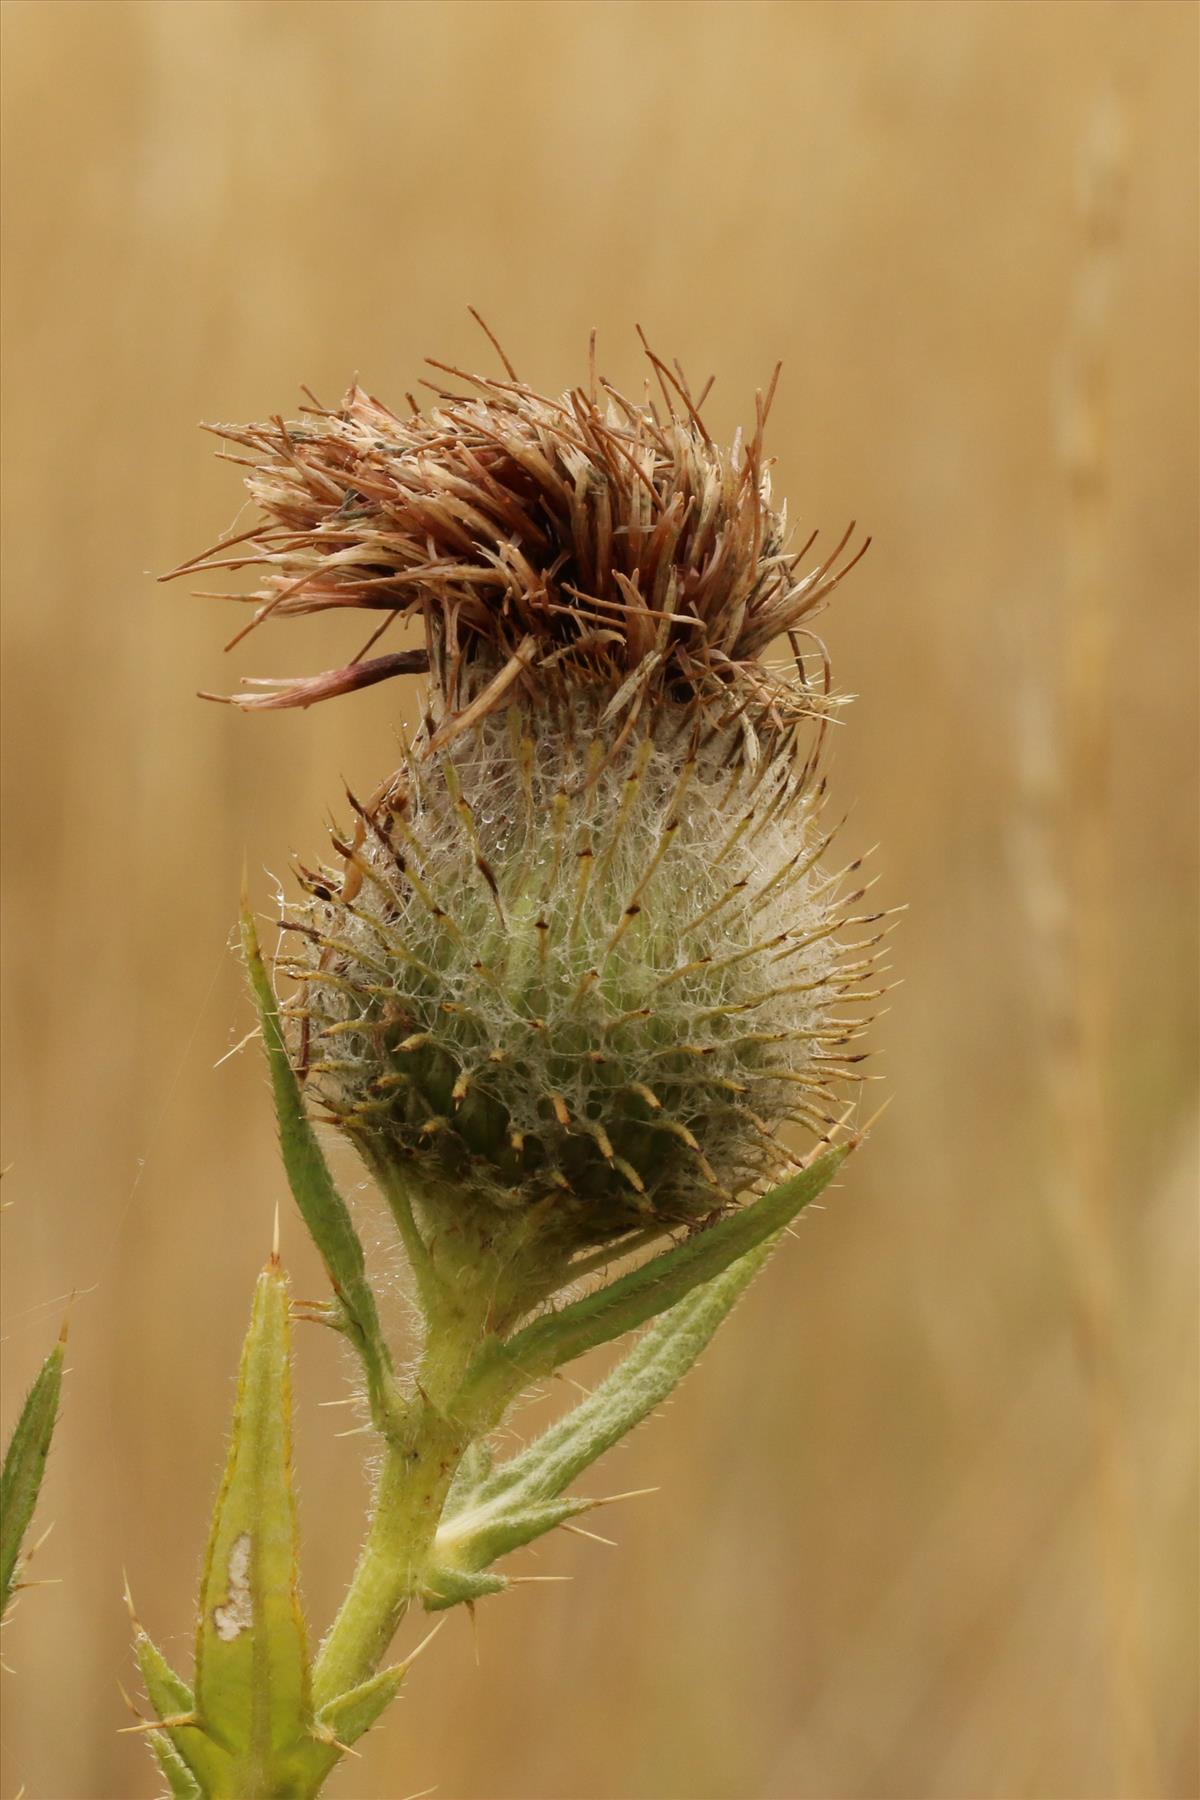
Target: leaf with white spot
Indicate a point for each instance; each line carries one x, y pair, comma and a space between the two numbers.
252, 1661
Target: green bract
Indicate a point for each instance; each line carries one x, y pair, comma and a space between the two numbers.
569, 976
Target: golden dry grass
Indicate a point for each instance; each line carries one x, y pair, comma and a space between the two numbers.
927, 1519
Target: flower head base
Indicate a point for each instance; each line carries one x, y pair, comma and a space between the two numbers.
581, 963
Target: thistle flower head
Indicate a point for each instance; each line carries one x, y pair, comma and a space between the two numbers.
581, 961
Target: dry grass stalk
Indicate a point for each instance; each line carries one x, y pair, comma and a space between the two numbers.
1076, 912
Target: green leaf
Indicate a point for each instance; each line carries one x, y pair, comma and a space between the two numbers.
25, 1464
518, 1501
249, 1728
502, 1368
252, 1662
168, 1693
180, 1780
352, 1714
321, 1206
464, 1547
641, 1381
181, 1741
473, 1471
444, 1587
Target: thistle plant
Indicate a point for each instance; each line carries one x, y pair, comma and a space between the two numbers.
572, 978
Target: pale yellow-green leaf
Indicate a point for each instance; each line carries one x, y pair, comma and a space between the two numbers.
252, 1661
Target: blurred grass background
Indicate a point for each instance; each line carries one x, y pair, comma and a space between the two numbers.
927, 1516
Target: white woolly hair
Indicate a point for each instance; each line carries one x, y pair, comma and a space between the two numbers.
562, 968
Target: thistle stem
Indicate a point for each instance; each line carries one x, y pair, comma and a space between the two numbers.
418, 1468
408, 1504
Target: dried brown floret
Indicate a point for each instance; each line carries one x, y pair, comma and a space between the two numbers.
591, 541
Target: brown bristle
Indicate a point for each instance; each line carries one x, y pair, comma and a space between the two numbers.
583, 538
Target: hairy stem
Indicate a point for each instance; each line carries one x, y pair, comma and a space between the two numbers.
418, 1467
408, 1504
